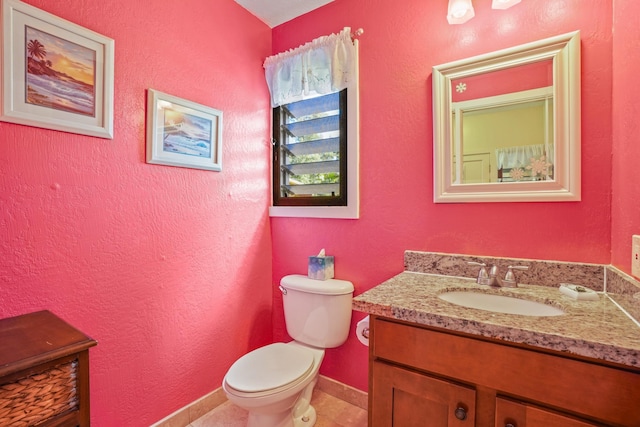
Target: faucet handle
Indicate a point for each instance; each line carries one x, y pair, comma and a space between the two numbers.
483, 276
510, 277
494, 271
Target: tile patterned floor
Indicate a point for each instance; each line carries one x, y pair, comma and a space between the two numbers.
332, 412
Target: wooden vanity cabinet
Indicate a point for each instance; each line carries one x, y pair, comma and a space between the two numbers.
424, 376
407, 398
509, 412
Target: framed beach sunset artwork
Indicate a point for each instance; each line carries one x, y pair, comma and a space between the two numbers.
183, 133
55, 74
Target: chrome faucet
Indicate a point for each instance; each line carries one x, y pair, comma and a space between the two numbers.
491, 278
494, 280
510, 278
483, 276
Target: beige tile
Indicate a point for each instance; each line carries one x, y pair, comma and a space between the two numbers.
225, 415
178, 419
321, 422
327, 406
331, 411
352, 417
206, 404
342, 391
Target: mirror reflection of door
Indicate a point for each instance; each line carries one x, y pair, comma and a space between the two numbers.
476, 168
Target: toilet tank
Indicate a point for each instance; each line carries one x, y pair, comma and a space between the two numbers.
317, 312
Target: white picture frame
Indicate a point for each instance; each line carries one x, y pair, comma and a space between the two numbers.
55, 74
183, 133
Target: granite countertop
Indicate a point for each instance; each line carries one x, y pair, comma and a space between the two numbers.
595, 329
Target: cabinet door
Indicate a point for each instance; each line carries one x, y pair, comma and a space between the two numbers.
510, 413
404, 398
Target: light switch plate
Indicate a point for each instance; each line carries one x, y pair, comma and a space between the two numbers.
635, 256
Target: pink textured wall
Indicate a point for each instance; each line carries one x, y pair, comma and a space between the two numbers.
398, 48
625, 218
168, 268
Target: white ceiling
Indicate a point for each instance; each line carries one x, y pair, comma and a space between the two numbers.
276, 12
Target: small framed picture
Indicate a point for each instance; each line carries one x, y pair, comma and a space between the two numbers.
55, 74
183, 133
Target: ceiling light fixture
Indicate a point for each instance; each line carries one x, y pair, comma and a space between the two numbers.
460, 11
503, 4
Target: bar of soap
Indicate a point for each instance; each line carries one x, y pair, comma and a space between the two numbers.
578, 292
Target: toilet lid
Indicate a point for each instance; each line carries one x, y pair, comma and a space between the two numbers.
269, 367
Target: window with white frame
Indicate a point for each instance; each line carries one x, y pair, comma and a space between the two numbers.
314, 95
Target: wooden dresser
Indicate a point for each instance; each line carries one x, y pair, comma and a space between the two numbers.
44, 372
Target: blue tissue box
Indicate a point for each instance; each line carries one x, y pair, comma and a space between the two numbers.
320, 267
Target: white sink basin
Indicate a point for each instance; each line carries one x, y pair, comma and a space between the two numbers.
500, 303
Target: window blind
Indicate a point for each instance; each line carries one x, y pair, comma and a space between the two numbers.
311, 150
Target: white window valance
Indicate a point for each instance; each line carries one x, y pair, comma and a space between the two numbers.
322, 66
520, 156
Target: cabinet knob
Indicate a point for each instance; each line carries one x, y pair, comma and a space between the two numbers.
509, 425
461, 413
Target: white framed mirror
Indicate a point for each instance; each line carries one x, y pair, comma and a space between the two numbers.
507, 124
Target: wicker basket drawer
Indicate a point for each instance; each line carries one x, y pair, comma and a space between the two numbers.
38, 397
44, 372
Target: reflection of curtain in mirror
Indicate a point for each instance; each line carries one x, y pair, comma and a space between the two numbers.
520, 157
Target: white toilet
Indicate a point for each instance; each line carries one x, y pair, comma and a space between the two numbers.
275, 382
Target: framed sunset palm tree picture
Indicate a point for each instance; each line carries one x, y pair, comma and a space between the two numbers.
55, 74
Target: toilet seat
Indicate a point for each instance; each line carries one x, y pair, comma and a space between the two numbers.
270, 369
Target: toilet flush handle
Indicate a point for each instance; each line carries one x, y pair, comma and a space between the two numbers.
283, 290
